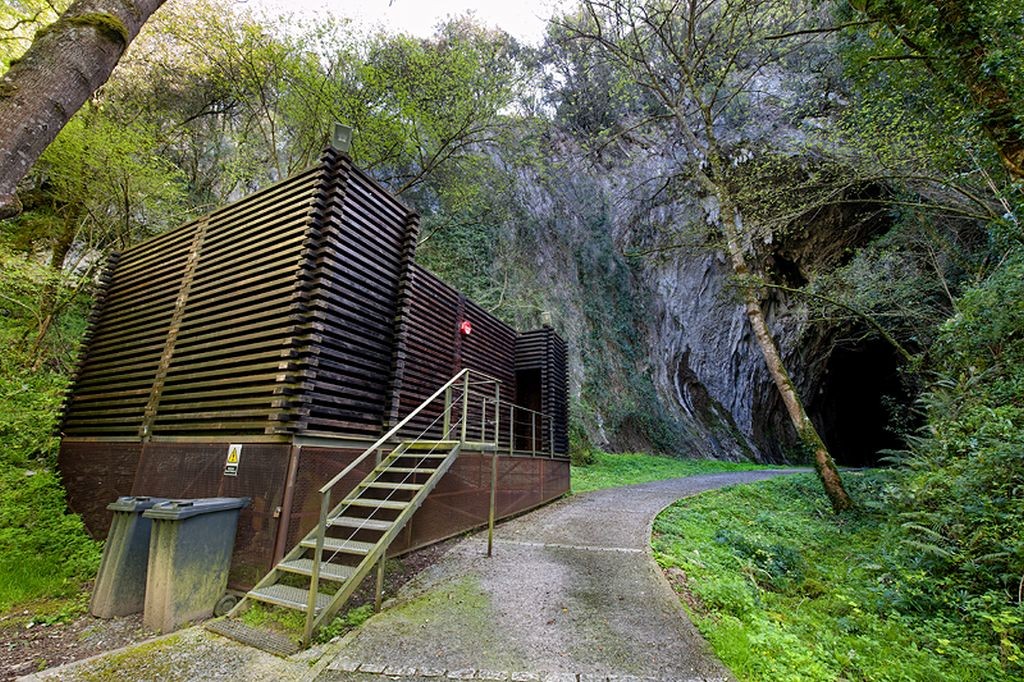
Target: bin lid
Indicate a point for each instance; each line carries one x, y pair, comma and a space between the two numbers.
136, 503
174, 510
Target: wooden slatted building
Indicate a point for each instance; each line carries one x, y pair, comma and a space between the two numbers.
295, 322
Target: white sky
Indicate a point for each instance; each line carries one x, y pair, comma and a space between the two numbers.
524, 19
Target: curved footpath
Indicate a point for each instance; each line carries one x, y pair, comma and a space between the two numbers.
571, 594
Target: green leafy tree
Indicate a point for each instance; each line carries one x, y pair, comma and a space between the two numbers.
99, 187
700, 59
19, 22
972, 52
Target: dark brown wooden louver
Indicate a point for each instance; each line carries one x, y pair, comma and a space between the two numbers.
543, 352
272, 315
294, 321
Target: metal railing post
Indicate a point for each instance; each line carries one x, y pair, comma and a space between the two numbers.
497, 415
447, 412
465, 407
314, 578
483, 420
494, 499
533, 433
551, 434
378, 598
511, 427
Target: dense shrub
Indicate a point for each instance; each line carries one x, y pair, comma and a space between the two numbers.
960, 495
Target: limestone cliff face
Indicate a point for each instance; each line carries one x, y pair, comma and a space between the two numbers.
662, 354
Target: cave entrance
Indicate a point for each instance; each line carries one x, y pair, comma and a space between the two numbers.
863, 404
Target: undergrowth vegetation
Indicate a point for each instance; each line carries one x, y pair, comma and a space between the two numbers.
785, 591
44, 551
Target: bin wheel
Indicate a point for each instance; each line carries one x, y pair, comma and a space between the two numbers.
225, 604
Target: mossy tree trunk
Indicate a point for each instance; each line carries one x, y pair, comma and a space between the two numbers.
731, 226
65, 64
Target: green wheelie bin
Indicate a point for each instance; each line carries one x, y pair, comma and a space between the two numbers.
120, 587
190, 551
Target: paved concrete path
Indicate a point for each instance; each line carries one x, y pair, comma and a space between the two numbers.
571, 593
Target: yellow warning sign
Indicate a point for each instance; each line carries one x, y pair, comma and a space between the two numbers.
234, 457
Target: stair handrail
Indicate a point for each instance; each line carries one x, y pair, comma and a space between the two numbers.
325, 490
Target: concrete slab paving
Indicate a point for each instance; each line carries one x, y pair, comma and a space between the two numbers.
571, 593
190, 654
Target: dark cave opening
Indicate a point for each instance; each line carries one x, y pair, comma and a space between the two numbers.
863, 405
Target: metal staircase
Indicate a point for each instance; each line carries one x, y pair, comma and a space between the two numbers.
361, 528
321, 573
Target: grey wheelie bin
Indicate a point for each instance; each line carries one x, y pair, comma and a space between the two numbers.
120, 587
189, 556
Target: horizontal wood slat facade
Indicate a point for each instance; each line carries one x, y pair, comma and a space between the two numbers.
298, 310
543, 351
368, 242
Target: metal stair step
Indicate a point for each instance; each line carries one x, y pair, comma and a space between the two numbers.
288, 597
265, 640
431, 444
339, 545
375, 504
405, 470
328, 571
439, 454
361, 523
394, 486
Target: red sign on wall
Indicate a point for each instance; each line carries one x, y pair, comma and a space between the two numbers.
465, 327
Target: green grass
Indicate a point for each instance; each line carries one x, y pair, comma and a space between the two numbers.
614, 470
45, 552
786, 591
291, 623
288, 622
24, 578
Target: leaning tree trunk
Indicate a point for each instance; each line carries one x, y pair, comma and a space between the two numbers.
65, 64
808, 435
731, 230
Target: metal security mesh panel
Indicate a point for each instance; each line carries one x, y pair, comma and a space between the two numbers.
461, 500
189, 470
316, 467
96, 474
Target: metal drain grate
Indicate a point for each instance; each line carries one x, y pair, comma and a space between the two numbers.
264, 640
